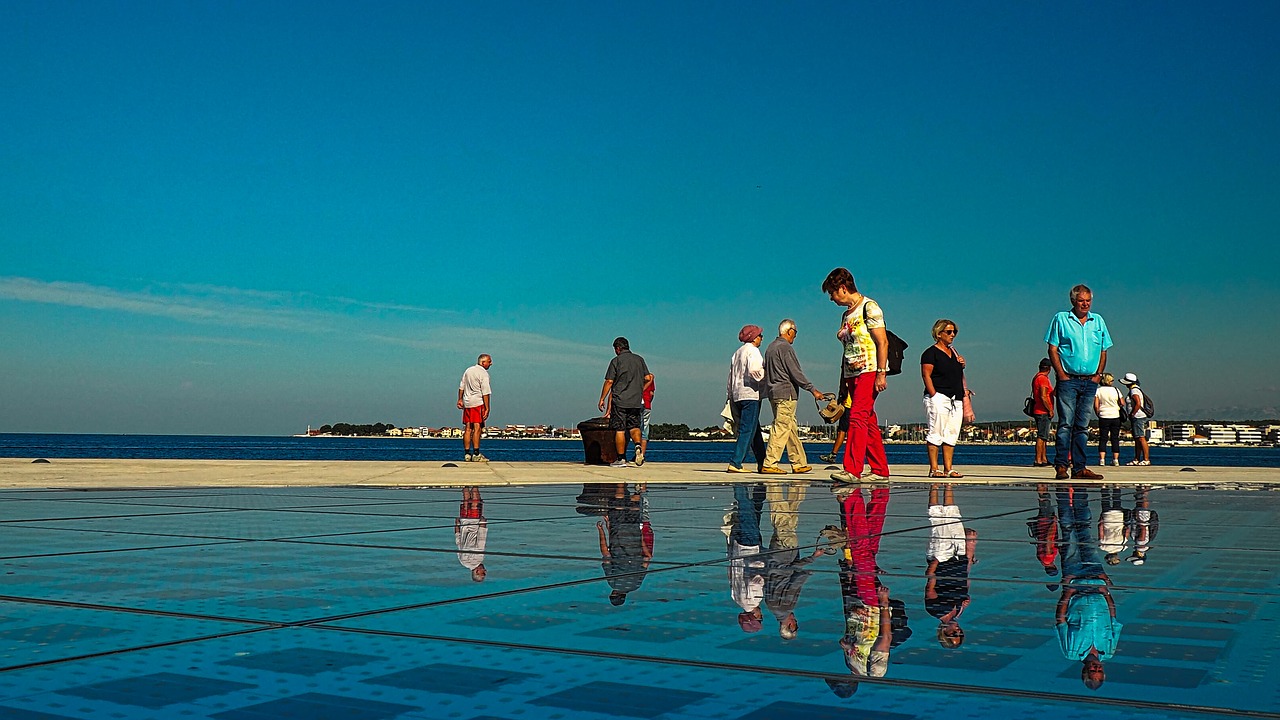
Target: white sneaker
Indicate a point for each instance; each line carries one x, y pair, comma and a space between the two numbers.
619, 463
479, 458
845, 476
468, 458
639, 459
1115, 462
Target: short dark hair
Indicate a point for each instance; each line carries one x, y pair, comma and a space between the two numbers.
839, 278
1045, 363
620, 343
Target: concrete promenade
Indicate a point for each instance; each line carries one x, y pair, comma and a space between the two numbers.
94, 474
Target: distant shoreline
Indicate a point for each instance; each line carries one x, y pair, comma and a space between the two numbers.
823, 441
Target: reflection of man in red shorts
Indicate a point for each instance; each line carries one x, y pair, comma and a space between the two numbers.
473, 400
471, 532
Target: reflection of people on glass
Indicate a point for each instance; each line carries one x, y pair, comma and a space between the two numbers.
1113, 525
868, 632
624, 553
1144, 523
950, 555
746, 564
785, 570
471, 532
1085, 618
1043, 529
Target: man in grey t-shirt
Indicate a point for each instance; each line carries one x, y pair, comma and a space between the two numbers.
622, 398
783, 380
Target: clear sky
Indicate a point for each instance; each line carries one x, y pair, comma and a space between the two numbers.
244, 217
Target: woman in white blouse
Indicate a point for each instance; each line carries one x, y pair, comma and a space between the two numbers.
1106, 404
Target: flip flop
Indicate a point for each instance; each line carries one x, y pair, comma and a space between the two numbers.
954, 474
937, 474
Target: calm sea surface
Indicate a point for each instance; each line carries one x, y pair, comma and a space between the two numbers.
224, 447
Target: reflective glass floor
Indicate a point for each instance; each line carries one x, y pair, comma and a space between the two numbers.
668, 601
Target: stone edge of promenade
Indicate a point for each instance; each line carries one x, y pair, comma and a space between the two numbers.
18, 473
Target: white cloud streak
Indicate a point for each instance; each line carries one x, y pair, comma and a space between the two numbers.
428, 328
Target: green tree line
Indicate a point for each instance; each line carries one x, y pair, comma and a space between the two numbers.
349, 429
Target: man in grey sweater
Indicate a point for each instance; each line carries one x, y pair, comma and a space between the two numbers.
783, 380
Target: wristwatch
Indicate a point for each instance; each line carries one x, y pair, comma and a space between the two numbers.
882, 370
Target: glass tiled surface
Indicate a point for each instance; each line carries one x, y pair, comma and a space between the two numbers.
356, 603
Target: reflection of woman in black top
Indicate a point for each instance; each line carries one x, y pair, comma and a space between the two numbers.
942, 370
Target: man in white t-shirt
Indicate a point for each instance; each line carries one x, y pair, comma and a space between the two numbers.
473, 401
1138, 417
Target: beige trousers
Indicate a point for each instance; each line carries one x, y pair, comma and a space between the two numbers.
786, 433
784, 511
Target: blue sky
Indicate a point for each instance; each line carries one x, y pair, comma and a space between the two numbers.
222, 217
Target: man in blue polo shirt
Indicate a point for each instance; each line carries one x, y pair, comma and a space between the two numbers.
1078, 342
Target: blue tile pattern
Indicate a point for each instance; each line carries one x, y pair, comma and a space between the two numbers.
316, 603
317, 706
620, 699
451, 679
301, 661
155, 690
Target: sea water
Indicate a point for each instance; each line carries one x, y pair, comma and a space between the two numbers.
234, 447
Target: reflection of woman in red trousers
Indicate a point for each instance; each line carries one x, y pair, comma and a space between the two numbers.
863, 525
863, 371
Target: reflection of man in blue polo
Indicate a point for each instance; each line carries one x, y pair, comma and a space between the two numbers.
1078, 342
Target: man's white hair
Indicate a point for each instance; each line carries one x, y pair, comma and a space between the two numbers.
786, 325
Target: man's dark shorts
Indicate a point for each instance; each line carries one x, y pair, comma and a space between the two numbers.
1044, 427
625, 418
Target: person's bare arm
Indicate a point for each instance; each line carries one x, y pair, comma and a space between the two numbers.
604, 396
1056, 359
604, 542
881, 339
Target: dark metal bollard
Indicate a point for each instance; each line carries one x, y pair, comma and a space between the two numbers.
598, 441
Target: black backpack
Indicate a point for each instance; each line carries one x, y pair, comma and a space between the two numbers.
1148, 405
897, 350
897, 346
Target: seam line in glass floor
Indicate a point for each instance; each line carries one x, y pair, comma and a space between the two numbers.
892, 682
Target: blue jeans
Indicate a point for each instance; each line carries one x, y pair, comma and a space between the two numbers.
1077, 539
747, 414
750, 501
1074, 401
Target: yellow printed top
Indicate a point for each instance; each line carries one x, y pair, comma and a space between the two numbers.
855, 333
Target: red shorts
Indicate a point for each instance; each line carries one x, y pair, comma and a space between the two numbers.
473, 415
